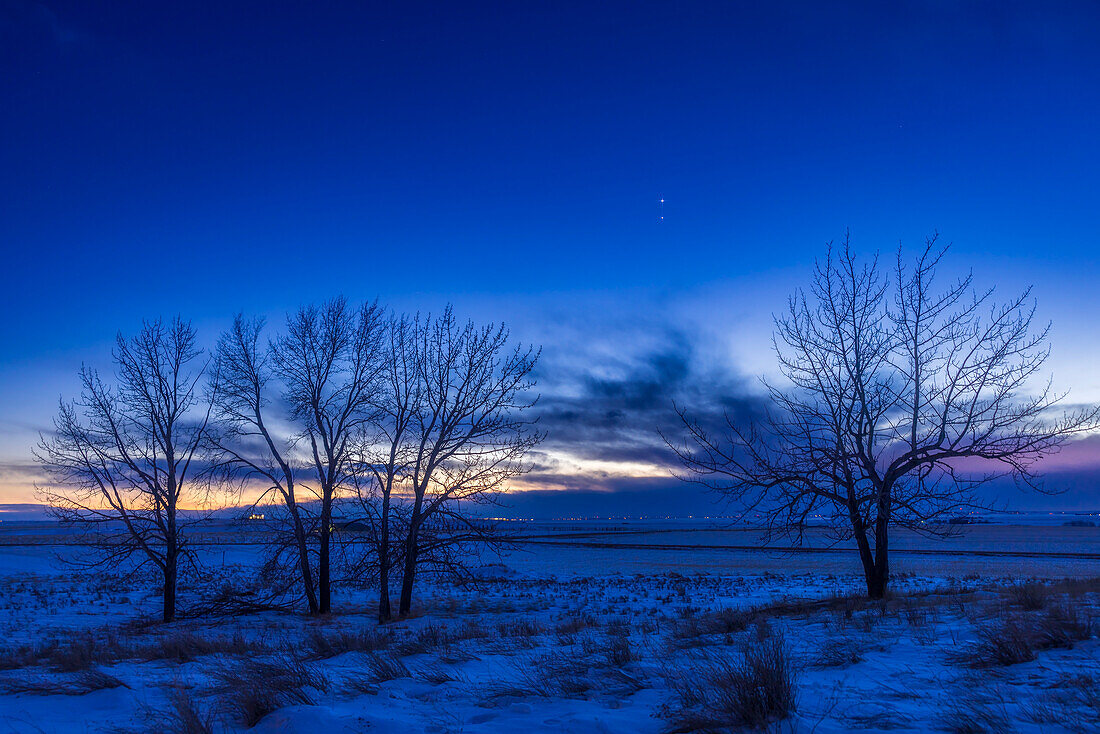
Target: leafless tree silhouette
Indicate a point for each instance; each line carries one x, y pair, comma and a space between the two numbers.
125, 458
249, 447
328, 362
386, 451
902, 400
468, 432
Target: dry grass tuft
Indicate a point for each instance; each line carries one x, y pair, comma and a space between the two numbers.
78, 684
328, 644
185, 647
384, 667
1030, 597
1008, 642
555, 674
839, 653
975, 713
182, 715
253, 689
754, 689
1015, 638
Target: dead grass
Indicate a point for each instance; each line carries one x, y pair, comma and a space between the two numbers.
1003, 642
437, 674
85, 650
181, 715
1013, 638
426, 639
753, 689
77, 684
977, 712
520, 628
1073, 703
21, 656
839, 652
727, 667
619, 651
186, 646
575, 623
1063, 624
1030, 597
384, 667
330, 643
556, 674
251, 689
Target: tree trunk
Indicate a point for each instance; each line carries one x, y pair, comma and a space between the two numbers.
303, 560
409, 575
866, 558
384, 610
385, 613
169, 596
876, 587
880, 577
325, 602
859, 530
411, 545
407, 579
171, 547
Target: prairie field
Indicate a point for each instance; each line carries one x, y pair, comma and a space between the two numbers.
582, 628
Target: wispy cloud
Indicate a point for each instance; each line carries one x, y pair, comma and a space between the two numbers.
602, 417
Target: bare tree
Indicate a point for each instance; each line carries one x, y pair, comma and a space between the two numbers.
328, 362
387, 452
125, 459
897, 409
248, 446
470, 430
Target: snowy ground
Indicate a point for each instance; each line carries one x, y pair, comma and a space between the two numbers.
577, 637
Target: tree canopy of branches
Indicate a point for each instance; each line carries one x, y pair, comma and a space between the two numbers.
248, 445
455, 426
328, 362
387, 451
418, 418
901, 400
126, 457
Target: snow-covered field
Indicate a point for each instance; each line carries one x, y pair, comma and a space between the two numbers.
589, 629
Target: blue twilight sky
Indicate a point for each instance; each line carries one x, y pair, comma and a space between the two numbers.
205, 158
